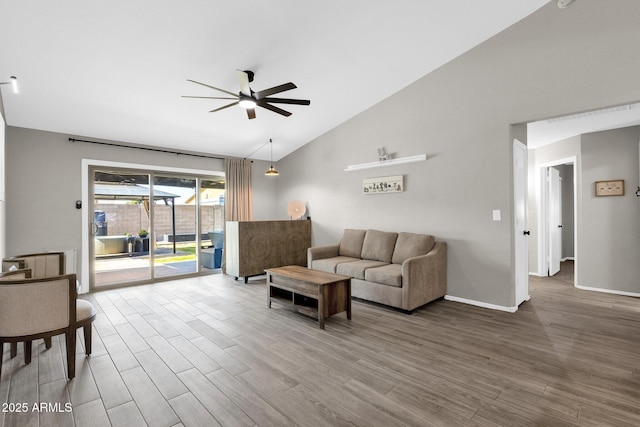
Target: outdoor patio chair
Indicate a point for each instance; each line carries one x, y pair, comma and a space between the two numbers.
39, 308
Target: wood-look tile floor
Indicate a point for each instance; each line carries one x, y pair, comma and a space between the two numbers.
206, 351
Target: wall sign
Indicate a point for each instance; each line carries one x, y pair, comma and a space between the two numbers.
384, 184
610, 188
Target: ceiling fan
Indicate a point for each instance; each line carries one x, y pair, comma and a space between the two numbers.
248, 99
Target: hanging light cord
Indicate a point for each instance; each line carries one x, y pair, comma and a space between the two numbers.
259, 148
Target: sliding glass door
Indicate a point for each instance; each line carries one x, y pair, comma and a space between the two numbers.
120, 214
211, 202
175, 226
148, 225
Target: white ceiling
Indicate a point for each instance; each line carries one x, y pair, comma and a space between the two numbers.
117, 69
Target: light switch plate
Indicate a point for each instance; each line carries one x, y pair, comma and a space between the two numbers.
496, 215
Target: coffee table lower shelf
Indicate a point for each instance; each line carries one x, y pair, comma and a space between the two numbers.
307, 307
313, 293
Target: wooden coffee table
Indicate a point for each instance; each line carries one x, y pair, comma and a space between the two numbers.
311, 292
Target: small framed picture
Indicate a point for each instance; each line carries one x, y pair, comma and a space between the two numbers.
384, 184
610, 188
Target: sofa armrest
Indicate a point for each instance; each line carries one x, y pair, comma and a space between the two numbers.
424, 278
321, 252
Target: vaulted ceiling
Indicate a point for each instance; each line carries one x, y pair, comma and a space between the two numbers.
118, 69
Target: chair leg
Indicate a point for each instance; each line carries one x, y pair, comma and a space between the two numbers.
70, 338
27, 352
14, 349
47, 342
86, 329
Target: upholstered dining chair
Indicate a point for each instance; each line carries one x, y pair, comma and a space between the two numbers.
42, 264
20, 274
24, 273
39, 308
49, 262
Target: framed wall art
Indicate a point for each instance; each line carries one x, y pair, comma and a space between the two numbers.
384, 184
610, 188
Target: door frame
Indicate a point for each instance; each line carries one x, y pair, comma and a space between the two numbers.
542, 206
87, 213
521, 231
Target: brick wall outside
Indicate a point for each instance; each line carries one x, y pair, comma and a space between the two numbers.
131, 218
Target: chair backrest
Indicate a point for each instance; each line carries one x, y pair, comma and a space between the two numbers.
46, 264
21, 274
37, 306
15, 263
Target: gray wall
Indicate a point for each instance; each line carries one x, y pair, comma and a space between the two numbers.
553, 63
45, 169
609, 246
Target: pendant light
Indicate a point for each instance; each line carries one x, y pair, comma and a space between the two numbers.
271, 171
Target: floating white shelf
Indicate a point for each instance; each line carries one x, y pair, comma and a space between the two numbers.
411, 159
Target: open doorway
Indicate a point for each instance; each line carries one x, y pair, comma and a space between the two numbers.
591, 147
557, 220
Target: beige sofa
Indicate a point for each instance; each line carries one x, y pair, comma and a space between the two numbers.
402, 270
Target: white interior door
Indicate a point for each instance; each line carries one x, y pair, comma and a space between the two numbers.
520, 221
555, 221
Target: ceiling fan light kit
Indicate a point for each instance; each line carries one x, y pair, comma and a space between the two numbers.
247, 102
248, 99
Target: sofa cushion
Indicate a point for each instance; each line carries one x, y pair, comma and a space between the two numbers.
378, 245
409, 245
351, 243
329, 264
357, 268
390, 275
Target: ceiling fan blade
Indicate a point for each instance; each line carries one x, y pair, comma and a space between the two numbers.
243, 80
213, 87
273, 108
226, 106
251, 113
287, 101
207, 97
276, 89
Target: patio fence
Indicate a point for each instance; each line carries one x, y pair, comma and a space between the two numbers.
131, 218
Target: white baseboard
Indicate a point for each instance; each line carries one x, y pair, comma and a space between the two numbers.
481, 304
535, 273
609, 291
569, 258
